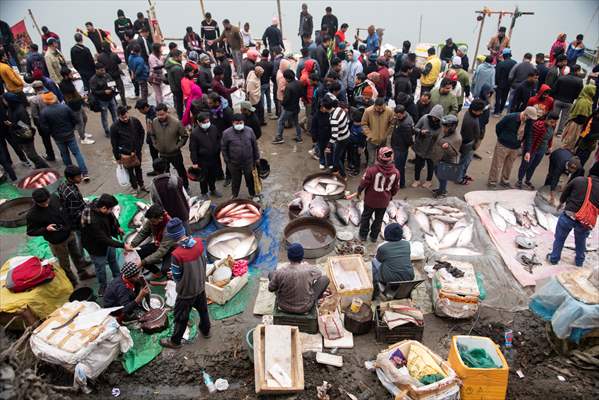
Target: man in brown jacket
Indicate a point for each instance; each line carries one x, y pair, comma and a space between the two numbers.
377, 123
234, 40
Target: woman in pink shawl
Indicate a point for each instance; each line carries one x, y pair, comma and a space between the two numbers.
191, 91
558, 47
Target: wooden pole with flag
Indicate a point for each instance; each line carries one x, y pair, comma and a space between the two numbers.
34, 21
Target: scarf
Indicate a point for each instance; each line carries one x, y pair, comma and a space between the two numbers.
158, 231
217, 112
128, 284
584, 103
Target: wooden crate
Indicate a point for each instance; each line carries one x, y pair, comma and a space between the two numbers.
297, 363
221, 295
353, 264
479, 383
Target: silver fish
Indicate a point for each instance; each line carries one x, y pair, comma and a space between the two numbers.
506, 214
192, 200
142, 206
522, 219
386, 218
541, 218
422, 221
428, 210
199, 210
401, 215
360, 206
465, 236
235, 244
319, 208
342, 212
451, 238
391, 210
461, 223
439, 228
457, 215
448, 209
497, 219
138, 219
445, 218
116, 210
331, 207
306, 198
354, 214
460, 251
407, 233
432, 242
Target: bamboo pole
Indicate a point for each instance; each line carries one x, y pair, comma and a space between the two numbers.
34, 22
480, 33
203, 8
280, 17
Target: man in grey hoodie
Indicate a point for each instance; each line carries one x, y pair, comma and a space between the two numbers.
485, 73
426, 130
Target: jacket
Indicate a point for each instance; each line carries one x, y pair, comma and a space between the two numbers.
403, 134
139, 68
233, 37
470, 129
70, 94
320, 55
575, 192
83, 61
352, 68
209, 30
15, 113
164, 245
98, 84
12, 81
72, 202
395, 261
273, 37
485, 73
304, 78
36, 61
117, 294
543, 105
431, 71
519, 73
423, 141
451, 153
376, 177
253, 86
306, 25
204, 146
521, 95
122, 25
97, 235
572, 53
174, 73
55, 61
541, 137
448, 101
251, 121
192, 42
267, 66
60, 121
240, 147
339, 123
98, 37
38, 219
222, 90
292, 95
169, 136
126, 138
502, 73
567, 88
402, 84
281, 81
507, 132
377, 127
167, 190
191, 262
329, 23
111, 62
294, 287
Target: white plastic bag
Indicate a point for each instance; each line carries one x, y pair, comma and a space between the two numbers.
122, 176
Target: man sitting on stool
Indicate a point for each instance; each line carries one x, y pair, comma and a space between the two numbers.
299, 285
392, 262
127, 291
159, 249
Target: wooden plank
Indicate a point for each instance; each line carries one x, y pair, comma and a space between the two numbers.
329, 359
277, 351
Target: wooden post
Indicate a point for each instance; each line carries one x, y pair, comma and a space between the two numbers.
480, 32
203, 8
280, 17
420, 30
34, 21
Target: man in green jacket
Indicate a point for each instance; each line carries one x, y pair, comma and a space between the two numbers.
169, 136
443, 96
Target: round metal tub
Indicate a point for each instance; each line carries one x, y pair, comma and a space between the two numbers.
202, 223
329, 176
13, 213
316, 235
51, 187
250, 257
238, 201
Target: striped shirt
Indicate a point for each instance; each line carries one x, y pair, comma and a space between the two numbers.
339, 125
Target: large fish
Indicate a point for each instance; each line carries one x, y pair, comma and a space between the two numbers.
439, 228
319, 208
235, 244
354, 214
401, 215
451, 238
142, 206
324, 186
428, 210
198, 210
342, 212
541, 218
306, 198
391, 210
386, 218
432, 242
445, 218
422, 221
138, 219
522, 219
506, 214
497, 219
448, 209
466, 236
360, 206
407, 233
461, 223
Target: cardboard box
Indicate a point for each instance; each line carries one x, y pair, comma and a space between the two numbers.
350, 279
221, 295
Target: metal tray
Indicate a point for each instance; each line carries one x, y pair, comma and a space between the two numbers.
13, 213
326, 175
323, 250
239, 201
250, 257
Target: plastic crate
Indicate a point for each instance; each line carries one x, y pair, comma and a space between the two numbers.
307, 323
383, 334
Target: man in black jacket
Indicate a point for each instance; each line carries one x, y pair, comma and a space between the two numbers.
140, 23
102, 88
111, 63
204, 151
523, 92
122, 24
329, 22
47, 218
564, 92
291, 107
471, 137
99, 227
82, 60
127, 291
192, 41
402, 82
402, 140
251, 117
320, 55
502, 82
127, 138
150, 113
273, 37
306, 25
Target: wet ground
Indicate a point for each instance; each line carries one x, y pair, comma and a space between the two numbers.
177, 374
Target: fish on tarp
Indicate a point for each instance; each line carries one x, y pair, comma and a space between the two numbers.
354, 214
541, 218
324, 186
192, 200
531, 217
448, 209
457, 215
440, 228
391, 210
319, 208
432, 242
497, 219
401, 215
407, 233
460, 251
461, 223
142, 206
445, 218
422, 221
466, 236
450, 238
306, 198
138, 219
342, 212
428, 210
198, 210
522, 219
507, 215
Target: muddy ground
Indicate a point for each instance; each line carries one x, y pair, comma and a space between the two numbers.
177, 374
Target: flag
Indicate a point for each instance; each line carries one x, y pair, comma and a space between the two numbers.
22, 38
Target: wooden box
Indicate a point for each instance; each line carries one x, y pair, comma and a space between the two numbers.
260, 362
221, 295
479, 383
350, 279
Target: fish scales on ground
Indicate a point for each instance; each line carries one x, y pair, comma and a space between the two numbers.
319, 208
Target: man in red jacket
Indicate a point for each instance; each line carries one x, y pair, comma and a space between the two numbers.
380, 183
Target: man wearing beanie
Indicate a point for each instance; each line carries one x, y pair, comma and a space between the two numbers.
298, 285
48, 219
392, 262
127, 291
188, 270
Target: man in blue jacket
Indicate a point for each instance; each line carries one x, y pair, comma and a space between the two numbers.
510, 137
139, 70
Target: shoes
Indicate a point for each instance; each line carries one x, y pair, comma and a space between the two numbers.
84, 275
152, 173
257, 199
216, 193
142, 191
86, 178
518, 185
263, 124
373, 239
87, 141
427, 184
273, 117
311, 152
51, 159
278, 140
320, 166
27, 163
203, 196
475, 155
506, 185
88, 135
464, 181
298, 139
227, 182
548, 258
206, 335
166, 342
362, 238
491, 185
529, 186
415, 184
437, 194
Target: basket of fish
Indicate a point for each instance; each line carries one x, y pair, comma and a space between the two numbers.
40, 178
324, 184
239, 243
238, 213
316, 235
199, 213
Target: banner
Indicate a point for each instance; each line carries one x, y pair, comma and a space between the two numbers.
22, 38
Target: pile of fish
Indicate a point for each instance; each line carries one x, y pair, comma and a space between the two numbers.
39, 180
397, 212
140, 216
446, 229
528, 222
238, 214
234, 244
306, 204
324, 186
198, 209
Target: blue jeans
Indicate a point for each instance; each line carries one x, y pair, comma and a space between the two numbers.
294, 117
100, 265
105, 107
265, 89
400, 163
68, 147
339, 156
442, 183
465, 160
564, 225
527, 169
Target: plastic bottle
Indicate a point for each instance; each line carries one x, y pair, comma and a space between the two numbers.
208, 382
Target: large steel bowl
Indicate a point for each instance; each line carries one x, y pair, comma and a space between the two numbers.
320, 230
250, 257
13, 213
329, 176
238, 201
51, 187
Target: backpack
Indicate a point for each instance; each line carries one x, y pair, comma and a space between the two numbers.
28, 274
587, 214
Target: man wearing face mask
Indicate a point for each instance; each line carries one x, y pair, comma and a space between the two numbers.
204, 151
446, 148
240, 151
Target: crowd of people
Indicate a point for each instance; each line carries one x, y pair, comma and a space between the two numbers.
366, 112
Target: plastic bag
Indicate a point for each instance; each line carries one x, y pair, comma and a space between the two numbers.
122, 176
476, 357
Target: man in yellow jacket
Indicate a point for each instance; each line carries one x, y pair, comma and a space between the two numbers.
377, 123
12, 80
431, 71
